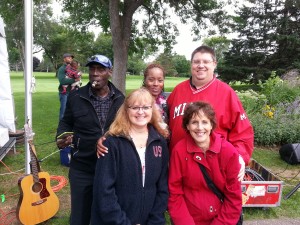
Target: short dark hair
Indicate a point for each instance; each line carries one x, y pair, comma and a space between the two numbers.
204, 49
194, 108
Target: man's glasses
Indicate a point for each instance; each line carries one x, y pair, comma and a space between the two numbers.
202, 62
138, 108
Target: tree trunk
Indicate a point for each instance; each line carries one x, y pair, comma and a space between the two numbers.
120, 26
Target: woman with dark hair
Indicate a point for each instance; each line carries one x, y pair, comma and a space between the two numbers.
154, 77
154, 80
131, 182
191, 200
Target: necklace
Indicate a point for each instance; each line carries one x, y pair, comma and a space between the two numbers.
139, 139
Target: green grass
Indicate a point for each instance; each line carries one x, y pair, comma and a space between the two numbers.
45, 110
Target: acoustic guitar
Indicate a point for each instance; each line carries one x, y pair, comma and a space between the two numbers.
37, 202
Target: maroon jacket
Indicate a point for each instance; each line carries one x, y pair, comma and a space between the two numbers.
191, 201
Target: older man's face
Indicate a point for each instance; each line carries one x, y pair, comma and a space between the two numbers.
98, 75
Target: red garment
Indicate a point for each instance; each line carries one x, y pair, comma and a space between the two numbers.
191, 201
232, 120
72, 73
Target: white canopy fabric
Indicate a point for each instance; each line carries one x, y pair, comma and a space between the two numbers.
7, 115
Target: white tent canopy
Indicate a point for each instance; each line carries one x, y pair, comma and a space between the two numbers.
7, 115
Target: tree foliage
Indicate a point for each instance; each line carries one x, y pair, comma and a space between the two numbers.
182, 65
132, 20
268, 41
12, 12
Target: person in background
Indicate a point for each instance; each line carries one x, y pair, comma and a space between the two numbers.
131, 182
191, 201
90, 110
63, 80
203, 85
72, 72
154, 78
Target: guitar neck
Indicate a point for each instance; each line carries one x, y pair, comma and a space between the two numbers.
34, 164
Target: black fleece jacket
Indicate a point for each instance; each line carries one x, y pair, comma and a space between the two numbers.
81, 118
119, 195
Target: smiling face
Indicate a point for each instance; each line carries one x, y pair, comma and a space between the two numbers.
200, 128
140, 113
154, 81
202, 68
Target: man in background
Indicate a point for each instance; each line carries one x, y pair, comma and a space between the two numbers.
64, 80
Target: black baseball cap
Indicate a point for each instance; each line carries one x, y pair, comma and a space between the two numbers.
68, 55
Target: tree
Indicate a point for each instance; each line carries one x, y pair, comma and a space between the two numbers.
220, 44
57, 38
268, 41
117, 17
181, 65
166, 60
103, 45
135, 64
12, 12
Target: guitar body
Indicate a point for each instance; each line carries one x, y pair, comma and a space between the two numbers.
37, 202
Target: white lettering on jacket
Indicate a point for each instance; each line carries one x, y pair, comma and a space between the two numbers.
179, 110
243, 116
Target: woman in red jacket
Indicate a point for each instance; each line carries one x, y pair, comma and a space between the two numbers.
191, 201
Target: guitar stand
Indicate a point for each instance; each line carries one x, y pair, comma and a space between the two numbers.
292, 191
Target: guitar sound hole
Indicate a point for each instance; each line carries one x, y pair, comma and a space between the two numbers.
37, 187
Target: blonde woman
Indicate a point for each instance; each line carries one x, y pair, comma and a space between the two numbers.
130, 185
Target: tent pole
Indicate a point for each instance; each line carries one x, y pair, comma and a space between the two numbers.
28, 75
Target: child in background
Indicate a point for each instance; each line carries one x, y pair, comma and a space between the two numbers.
72, 72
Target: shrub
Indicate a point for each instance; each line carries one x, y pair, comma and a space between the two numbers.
252, 101
278, 91
280, 128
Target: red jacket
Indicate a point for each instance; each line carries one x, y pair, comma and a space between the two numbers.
191, 201
232, 120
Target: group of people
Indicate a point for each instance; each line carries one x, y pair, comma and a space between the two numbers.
136, 157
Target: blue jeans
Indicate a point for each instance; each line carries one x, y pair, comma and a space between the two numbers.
63, 102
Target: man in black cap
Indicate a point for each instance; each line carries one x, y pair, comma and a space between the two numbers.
90, 110
64, 80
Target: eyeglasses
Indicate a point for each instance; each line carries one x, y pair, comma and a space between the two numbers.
202, 62
138, 108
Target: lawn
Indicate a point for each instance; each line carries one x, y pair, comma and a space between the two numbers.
45, 110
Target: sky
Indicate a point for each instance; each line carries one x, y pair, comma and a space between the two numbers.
185, 44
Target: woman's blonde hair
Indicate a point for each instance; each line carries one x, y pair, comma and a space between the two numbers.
121, 124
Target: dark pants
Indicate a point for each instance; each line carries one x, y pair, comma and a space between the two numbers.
81, 184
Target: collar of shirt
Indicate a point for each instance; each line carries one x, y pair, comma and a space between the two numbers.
110, 94
195, 88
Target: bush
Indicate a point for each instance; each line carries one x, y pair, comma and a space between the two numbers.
252, 101
278, 91
274, 112
277, 125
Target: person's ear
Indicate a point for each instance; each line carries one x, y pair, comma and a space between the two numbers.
110, 72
